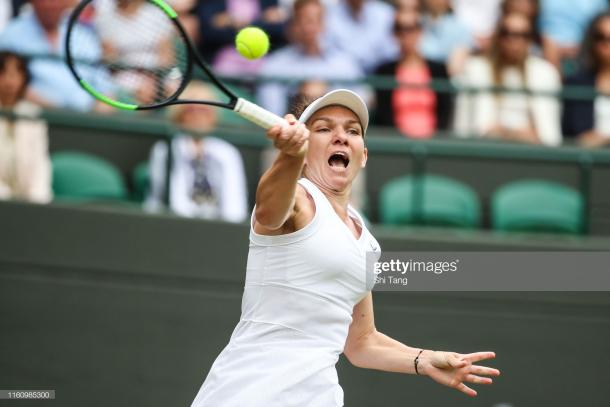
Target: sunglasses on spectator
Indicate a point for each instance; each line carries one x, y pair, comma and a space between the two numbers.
602, 38
406, 28
523, 35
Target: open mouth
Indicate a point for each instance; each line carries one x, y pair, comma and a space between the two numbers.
338, 160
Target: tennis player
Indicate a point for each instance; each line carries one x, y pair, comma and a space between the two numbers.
306, 298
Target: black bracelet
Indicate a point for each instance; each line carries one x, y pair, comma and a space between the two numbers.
416, 361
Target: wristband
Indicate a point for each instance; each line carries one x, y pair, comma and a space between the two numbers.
416, 361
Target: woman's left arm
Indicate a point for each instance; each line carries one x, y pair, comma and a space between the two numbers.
368, 348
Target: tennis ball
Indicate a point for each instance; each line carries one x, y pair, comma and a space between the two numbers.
252, 42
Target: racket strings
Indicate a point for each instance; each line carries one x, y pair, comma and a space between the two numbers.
142, 60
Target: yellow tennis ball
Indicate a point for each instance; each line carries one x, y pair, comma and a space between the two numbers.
252, 42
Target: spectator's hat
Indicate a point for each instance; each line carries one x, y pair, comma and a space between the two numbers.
340, 97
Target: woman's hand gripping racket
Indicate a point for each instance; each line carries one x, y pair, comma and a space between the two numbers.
153, 56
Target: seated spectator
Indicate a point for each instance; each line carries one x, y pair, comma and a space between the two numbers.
307, 57
563, 23
513, 115
362, 29
589, 120
39, 32
25, 168
480, 17
207, 178
445, 39
416, 110
531, 9
220, 20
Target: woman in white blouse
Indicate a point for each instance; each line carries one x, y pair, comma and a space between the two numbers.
532, 116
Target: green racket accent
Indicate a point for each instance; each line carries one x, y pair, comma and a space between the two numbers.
166, 8
106, 99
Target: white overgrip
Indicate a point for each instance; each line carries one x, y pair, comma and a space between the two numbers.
256, 114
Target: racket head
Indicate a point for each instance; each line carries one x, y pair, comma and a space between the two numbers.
152, 60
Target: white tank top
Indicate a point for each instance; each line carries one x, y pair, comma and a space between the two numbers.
297, 306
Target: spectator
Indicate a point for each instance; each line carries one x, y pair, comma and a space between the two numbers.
445, 39
25, 169
563, 23
188, 19
306, 58
39, 32
589, 120
220, 20
514, 115
416, 110
207, 177
531, 9
362, 29
480, 17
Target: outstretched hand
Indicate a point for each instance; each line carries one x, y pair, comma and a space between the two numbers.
290, 139
454, 369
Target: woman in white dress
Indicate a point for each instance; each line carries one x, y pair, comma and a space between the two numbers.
306, 297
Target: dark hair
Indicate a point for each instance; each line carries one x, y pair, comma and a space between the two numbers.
22, 65
588, 56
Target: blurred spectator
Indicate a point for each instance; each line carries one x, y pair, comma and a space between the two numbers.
25, 169
220, 20
512, 115
306, 58
40, 32
207, 177
362, 29
416, 111
480, 16
531, 9
563, 23
445, 40
589, 120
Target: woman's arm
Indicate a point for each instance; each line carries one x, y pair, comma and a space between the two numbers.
368, 348
277, 189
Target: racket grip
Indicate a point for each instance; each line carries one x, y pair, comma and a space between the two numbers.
257, 114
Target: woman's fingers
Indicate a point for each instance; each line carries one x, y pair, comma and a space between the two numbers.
466, 390
471, 378
485, 371
478, 356
455, 360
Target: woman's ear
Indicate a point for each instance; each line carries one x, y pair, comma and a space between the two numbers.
365, 157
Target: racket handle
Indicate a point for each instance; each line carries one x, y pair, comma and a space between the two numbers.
257, 114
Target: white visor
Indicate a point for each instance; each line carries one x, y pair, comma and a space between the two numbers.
340, 97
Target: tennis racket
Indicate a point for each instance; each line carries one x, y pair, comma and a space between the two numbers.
154, 56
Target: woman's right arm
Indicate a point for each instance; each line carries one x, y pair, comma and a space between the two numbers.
276, 194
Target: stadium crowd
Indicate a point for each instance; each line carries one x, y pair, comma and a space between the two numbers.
470, 68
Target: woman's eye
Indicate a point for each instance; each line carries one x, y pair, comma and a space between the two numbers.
323, 129
355, 132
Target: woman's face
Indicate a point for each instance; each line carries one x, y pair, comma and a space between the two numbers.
336, 148
12, 81
407, 31
602, 41
515, 38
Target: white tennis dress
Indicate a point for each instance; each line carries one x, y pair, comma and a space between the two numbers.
297, 306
